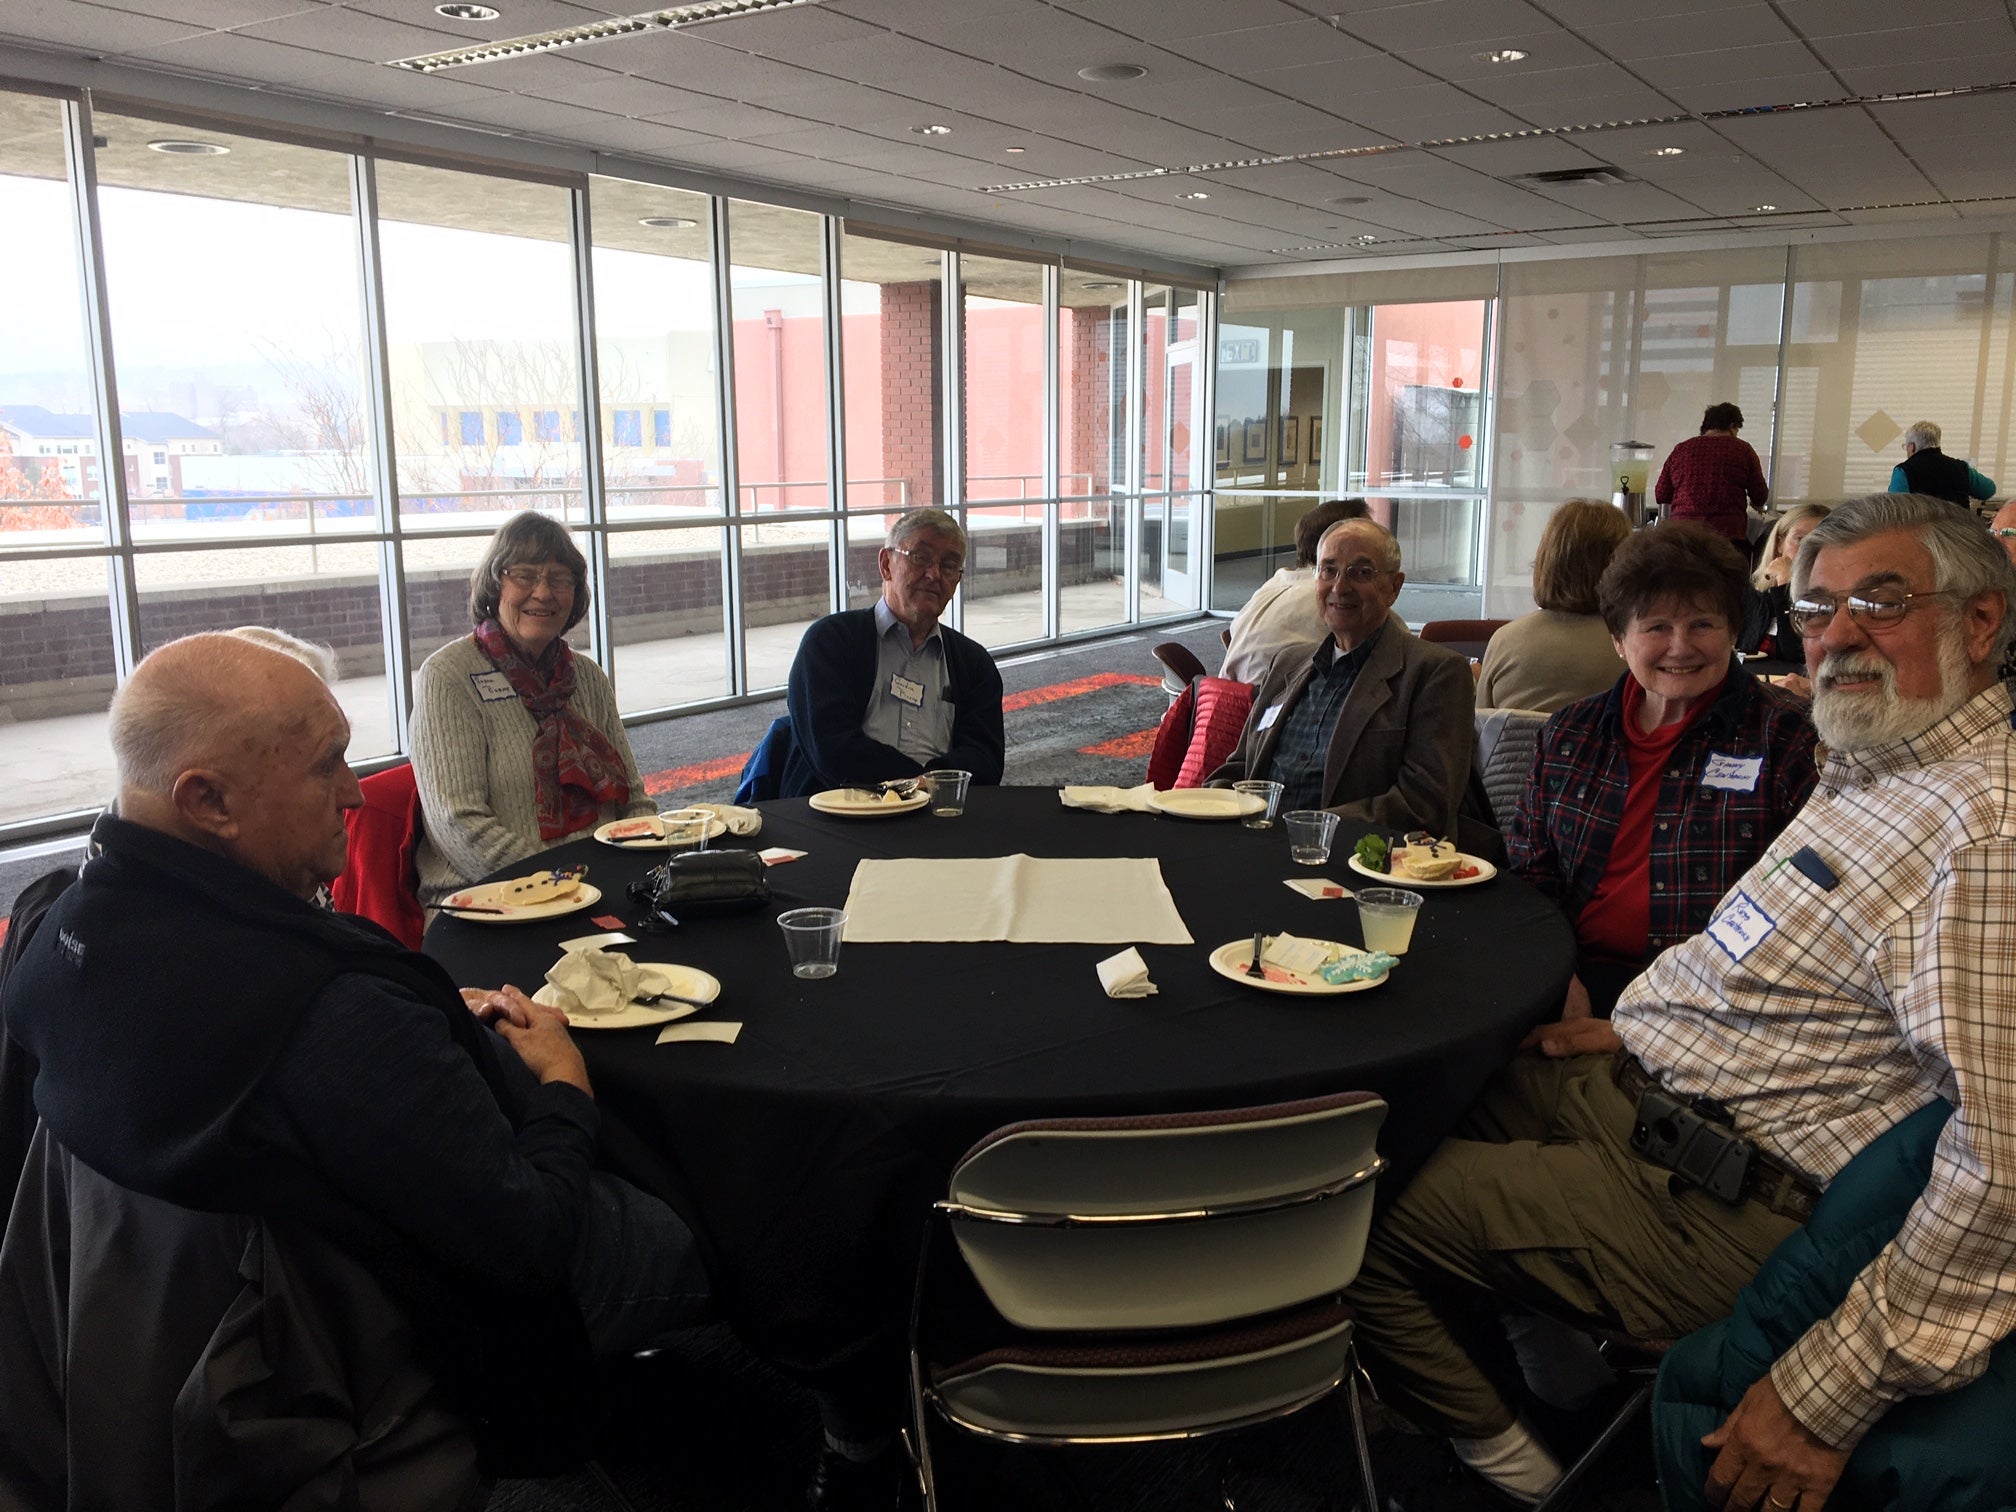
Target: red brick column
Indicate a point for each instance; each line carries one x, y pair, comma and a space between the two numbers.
911, 325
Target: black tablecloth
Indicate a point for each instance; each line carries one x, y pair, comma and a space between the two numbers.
809, 1150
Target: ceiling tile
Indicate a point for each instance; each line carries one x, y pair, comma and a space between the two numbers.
1993, 37
792, 34
1432, 112
1840, 18
541, 118
1770, 60
1568, 87
1463, 63
1162, 20
691, 62
375, 84
1299, 44
621, 94
1288, 126
229, 55
535, 74
1954, 73
352, 34
1534, 155
1435, 23
1332, 86
219, 14
89, 28
1749, 94
647, 138
1677, 35
728, 118
1583, 14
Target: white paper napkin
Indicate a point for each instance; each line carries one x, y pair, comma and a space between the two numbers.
601, 981
1126, 975
1027, 900
1109, 800
712, 1029
740, 821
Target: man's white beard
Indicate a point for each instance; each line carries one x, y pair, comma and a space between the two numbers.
1857, 721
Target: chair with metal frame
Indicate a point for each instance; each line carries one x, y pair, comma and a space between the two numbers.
1153, 1277
1180, 666
1464, 637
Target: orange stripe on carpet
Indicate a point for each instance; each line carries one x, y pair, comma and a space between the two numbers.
1125, 747
689, 776
1052, 692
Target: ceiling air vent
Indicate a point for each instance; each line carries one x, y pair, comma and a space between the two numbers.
1602, 173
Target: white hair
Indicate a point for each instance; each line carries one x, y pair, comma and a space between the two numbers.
190, 702
1923, 433
316, 657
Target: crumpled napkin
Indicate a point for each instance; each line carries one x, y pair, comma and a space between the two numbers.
740, 821
601, 981
1126, 975
1109, 800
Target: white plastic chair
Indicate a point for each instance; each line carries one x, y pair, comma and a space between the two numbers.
1167, 1276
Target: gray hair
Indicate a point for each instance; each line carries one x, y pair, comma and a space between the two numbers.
316, 657
926, 521
1922, 434
185, 703
1966, 560
1389, 548
526, 539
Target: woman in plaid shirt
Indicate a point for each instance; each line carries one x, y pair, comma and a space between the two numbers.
1646, 803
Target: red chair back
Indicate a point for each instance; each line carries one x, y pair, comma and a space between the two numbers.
381, 879
1199, 732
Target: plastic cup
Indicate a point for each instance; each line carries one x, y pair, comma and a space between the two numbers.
1310, 832
1268, 793
948, 792
1386, 914
812, 936
686, 829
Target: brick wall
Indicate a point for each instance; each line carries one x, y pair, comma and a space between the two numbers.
911, 317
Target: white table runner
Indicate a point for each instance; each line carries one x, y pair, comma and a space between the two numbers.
1026, 900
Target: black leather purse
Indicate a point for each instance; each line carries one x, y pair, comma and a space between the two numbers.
703, 882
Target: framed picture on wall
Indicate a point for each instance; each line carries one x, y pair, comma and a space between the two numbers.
1254, 447
1315, 440
1224, 439
1291, 427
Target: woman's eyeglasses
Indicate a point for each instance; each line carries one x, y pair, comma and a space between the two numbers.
559, 579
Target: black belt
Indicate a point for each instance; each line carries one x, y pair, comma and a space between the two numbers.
1781, 1189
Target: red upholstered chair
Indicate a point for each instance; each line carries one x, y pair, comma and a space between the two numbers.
1198, 732
381, 880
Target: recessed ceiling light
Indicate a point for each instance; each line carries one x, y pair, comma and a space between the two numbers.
1668, 151
1365, 238
1763, 207
932, 128
461, 12
1015, 150
1113, 73
667, 222
1194, 194
180, 148
1501, 55
1100, 284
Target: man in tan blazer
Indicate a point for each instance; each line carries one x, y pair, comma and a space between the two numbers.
1371, 722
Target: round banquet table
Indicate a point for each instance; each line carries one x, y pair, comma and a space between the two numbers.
807, 1153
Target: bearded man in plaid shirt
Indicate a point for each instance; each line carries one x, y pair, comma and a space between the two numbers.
1857, 972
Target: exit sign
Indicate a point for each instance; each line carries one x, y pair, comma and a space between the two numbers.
1231, 353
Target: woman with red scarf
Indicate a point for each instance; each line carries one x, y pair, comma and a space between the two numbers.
516, 741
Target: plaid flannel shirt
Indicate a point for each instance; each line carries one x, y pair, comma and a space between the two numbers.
1702, 838
1822, 1012
1708, 479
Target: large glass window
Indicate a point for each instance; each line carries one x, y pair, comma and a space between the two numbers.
1092, 472
1001, 320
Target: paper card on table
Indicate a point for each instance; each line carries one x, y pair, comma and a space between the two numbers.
1292, 953
596, 942
607, 921
777, 855
713, 1029
1317, 887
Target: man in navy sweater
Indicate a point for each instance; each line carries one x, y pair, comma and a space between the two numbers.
887, 692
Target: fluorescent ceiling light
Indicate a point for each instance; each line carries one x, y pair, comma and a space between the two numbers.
932, 128
1194, 194
594, 31
1501, 55
1668, 152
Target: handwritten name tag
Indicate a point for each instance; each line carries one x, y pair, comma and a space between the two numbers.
904, 691
1268, 717
1733, 774
492, 687
1741, 926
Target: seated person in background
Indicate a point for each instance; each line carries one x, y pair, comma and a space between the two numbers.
2003, 528
887, 692
1929, 471
1765, 626
516, 741
1283, 612
1371, 722
299, 1064
1830, 998
1562, 651
1646, 802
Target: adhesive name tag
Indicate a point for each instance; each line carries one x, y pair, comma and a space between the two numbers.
1741, 926
492, 687
1733, 774
903, 690
1267, 719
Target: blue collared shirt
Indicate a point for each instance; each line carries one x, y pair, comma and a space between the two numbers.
1303, 745
923, 730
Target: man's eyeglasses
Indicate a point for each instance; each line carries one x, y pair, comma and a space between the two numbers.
1360, 571
1876, 610
925, 561
559, 579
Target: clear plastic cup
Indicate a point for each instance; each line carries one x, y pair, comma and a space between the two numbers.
1387, 914
1310, 832
948, 792
1268, 793
812, 936
686, 829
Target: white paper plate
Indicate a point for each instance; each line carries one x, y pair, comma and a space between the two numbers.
1206, 803
716, 827
850, 803
661, 976
587, 895
1229, 960
1485, 872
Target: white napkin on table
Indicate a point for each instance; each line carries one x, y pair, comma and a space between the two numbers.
1109, 800
740, 821
1126, 975
601, 981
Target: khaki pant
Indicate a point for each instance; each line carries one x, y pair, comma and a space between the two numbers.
1537, 1201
